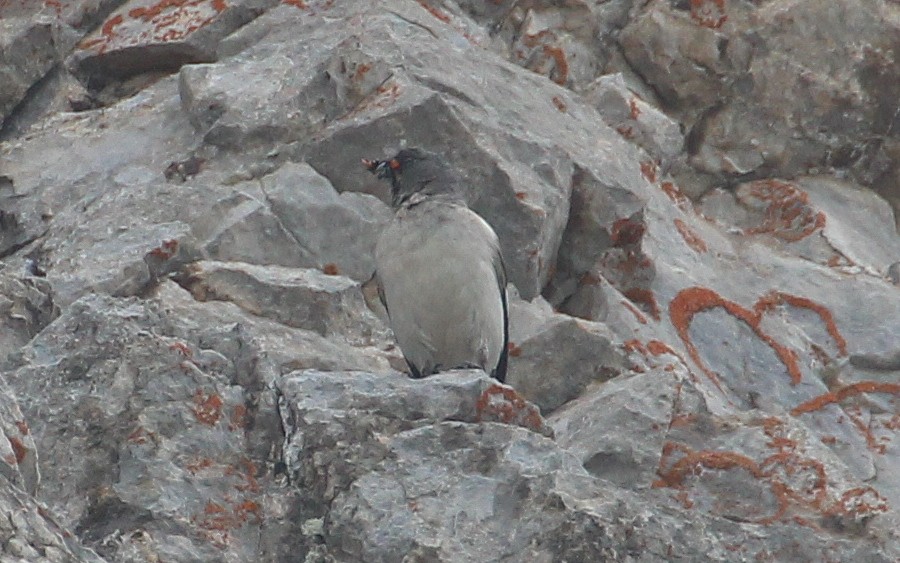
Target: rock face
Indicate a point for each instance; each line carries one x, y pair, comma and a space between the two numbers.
697, 204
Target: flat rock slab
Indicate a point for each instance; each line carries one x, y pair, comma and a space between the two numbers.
161, 35
330, 305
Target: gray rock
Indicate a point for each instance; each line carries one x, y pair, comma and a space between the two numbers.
185, 478
329, 305
604, 220
26, 307
633, 118
18, 453
310, 209
555, 357
29, 533
145, 36
719, 375
757, 94
448, 493
599, 428
29, 51
338, 425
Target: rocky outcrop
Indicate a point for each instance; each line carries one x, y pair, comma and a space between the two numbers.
696, 203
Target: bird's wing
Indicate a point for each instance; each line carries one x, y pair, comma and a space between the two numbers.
381, 293
500, 271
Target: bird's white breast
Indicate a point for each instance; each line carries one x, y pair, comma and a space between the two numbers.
437, 263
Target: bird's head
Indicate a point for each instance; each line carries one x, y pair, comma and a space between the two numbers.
413, 171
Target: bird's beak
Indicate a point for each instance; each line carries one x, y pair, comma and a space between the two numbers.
381, 168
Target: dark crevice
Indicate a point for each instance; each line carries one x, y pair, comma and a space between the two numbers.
446, 89
696, 136
33, 105
122, 73
12, 249
660, 98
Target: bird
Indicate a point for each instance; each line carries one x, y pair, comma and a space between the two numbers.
440, 270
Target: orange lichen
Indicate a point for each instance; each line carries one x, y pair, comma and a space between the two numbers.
644, 297
532, 39
361, 71
852, 503
626, 131
513, 349
57, 6
690, 237
296, 3
648, 170
590, 278
562, 66
182, 349
560, 105
434, 11
217, 520
709, 13
247, 474
154, 10
22, 426
775, 298
207, 409
847, 391
676, 195
626, 231
684, 499
213, 508
692, 462
109, 27
243, 510
635, 111
634, 311
504, 404
695, 300
18, 448
521, 196
138, 436
165, 251
198, 465
788, 214
866, 431
330, 269
893, 423
783, 472
239, 417
634, 345
169, 20
658, 348
682, 420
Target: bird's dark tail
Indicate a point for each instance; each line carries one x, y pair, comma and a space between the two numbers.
500, 373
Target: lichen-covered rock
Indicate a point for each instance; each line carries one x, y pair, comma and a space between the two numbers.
693, 200
149, 35
555, 357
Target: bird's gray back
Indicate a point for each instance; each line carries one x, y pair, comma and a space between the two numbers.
438, 265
